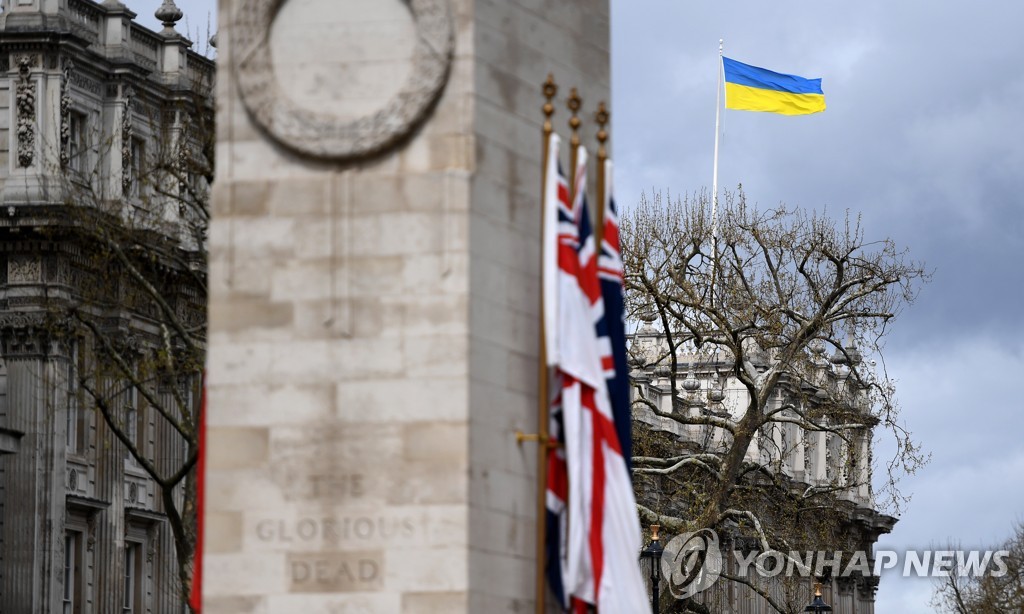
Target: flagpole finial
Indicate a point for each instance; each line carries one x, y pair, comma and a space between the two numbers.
575, 102
720, 43
550, 91
601, 117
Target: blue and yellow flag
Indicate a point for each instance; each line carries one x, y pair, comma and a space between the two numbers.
749, 88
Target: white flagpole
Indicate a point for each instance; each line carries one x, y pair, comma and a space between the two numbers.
714, 179
718, 131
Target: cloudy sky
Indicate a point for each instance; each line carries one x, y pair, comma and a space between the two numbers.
923, 137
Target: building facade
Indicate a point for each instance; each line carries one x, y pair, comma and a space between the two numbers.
802, 461
91, 103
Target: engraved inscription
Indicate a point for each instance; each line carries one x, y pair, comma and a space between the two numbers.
333, 463
320, 486
337, 486
334, 531
322, 483
335, 572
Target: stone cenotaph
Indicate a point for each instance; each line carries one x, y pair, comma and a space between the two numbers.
374, 299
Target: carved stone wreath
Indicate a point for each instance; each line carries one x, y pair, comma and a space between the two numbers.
325, 135
26, 105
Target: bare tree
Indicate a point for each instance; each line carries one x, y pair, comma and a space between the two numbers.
998, 586
136, 312
763, 330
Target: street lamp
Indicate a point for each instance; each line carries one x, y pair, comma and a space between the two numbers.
651, 558
818, 605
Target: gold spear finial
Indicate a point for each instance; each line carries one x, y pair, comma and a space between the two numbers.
575, 102
550, 91
601, 117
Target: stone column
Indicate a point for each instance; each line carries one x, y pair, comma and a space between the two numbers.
374, 264
863, 443
108, 582
34, 477
169, 455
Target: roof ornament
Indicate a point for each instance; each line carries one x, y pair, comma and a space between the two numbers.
169, 14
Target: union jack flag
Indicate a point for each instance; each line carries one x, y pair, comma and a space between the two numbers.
613, 326
589, 480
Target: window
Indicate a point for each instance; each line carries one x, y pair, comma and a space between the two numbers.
133, 425
76, 141
82, 430
77, 420
135, 167
810, 451
72, 572
132, 577
141, 433
72, 423
188, 179
190, 407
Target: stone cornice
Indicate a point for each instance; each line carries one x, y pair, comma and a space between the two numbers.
104, 68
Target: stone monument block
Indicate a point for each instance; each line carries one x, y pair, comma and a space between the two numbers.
374, 305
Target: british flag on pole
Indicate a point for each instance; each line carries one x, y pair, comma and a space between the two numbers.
598, 557
556, 205
613, 327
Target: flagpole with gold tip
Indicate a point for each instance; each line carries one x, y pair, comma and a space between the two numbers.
714, 179
543, 393
601, 117
718, 132
574, 103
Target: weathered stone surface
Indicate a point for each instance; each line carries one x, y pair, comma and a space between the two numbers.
223, 532
376, 320
237, 448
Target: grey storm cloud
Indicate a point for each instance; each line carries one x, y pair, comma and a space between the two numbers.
921, 137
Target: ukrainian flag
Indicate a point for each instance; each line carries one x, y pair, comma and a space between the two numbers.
749, 88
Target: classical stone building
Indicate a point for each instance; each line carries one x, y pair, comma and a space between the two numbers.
89, 102
799, 459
